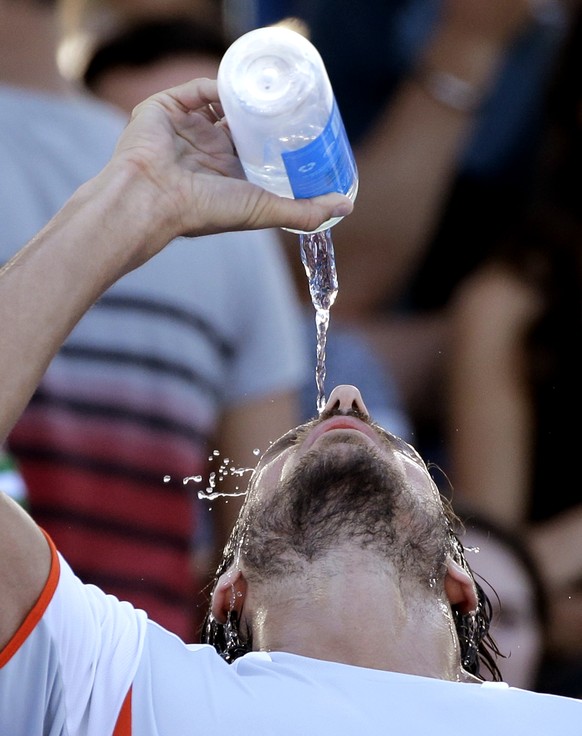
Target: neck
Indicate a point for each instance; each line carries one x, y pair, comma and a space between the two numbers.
29, 36
358, 618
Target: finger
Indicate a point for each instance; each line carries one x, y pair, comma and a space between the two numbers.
303, 214
187, 97
196, 94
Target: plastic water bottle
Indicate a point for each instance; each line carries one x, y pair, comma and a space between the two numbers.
284, 120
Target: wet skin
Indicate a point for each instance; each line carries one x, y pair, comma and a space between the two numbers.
344, 420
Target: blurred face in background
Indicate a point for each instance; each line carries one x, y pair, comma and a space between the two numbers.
127, 86
515, 622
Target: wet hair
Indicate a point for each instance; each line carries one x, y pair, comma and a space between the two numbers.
151, 40
477, 648
226, 637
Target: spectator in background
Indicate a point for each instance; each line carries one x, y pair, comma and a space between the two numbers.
200, 351
150, 55
102, 17
515, 392
441, 99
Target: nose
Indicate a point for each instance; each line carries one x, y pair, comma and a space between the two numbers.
345, 399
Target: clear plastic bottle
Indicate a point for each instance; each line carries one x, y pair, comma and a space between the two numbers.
284, 120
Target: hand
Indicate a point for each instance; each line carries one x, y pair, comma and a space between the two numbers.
192, 177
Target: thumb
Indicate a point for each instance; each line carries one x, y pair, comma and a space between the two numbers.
303, 214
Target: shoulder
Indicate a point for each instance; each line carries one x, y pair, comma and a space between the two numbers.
74, 656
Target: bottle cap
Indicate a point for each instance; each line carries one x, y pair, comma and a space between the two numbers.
268, 71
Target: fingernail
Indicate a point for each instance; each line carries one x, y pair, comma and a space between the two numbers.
341, 210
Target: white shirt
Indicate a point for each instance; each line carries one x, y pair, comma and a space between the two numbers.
74, 668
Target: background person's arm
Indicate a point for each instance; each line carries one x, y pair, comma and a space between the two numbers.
410, 157
490, 423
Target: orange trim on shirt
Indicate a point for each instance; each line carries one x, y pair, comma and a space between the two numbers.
123, 725
37, 611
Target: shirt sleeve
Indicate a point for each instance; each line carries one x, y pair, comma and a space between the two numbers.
72, 662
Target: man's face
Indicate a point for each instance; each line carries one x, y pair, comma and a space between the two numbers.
335, 433
342, 489
342, 479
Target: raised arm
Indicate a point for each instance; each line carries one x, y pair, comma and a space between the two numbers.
173, 173
409, 159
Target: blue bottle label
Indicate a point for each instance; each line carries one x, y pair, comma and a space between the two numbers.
326, 164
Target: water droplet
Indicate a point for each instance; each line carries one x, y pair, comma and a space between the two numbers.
167, 478
256, 452
476, 550
210, 495
194, 478
240, 471
216, 453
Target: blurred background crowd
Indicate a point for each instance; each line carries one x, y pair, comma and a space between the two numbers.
459, 312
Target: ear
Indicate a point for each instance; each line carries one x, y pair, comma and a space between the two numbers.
228, 595
460, 587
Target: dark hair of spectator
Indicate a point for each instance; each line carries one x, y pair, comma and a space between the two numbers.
151, 40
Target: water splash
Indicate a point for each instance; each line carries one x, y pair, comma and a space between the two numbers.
210, 493
475, 550
318, 258
194, 478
